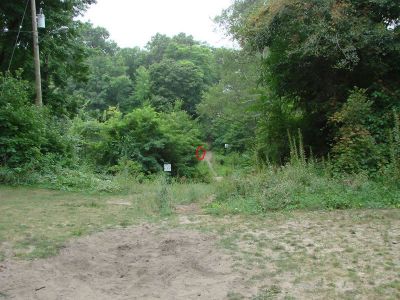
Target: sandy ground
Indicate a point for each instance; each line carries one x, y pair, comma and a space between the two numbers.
314, 255
138, 263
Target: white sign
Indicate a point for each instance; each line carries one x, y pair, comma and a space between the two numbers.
226, 146
167, 168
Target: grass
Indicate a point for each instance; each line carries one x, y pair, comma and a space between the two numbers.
300, 186
36, 223
286, 254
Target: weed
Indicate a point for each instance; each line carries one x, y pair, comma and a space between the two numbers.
230, 242
78, 232
164, 201
235, 296
268, 293
278, 247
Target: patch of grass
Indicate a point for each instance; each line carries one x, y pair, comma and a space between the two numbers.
33, 219
277, 247
36, 222
230, 242
386, 290
186, 193
268, 293
235, 296
305, 186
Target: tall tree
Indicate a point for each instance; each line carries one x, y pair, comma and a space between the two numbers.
177, 80
315, 52
62, 56
142, 85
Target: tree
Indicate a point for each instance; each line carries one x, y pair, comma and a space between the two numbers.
97, 39
133, 58
226, 108
62, 55
142, 85
355, 149
315, 52
175, 80
107, 85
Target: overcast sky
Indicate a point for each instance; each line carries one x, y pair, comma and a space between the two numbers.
133, 22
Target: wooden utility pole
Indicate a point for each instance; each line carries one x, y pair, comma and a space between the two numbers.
38, 80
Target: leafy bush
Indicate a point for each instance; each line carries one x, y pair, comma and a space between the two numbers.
143, 138
391, 171
355, 149
27, 132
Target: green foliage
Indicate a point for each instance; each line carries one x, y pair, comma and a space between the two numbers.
299, 186
26, 131
177, 80
142, 85
392, 171
355, 149
96, 39
62, 52
182, 47
107, 85
315, 52
278, 117
143, 136
226, 110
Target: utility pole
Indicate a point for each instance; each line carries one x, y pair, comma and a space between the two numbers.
38, 80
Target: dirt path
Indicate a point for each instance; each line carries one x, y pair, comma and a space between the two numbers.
138, 263
208, 159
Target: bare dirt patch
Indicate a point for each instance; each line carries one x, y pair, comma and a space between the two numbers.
145, 262
301, 255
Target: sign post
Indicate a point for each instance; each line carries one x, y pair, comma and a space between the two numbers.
168, 170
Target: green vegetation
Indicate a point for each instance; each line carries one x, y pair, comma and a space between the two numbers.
304, 116
301, 183
37, 222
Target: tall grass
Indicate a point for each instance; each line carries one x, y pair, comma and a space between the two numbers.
303, 183
394, 167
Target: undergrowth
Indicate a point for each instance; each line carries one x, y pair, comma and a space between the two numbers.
302, 184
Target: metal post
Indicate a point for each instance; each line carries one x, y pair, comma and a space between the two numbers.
38, 80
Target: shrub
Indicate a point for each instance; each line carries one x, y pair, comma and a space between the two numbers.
143, 138
27, 132
300, 186
355, 149
22, 125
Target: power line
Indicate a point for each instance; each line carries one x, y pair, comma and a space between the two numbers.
19, 31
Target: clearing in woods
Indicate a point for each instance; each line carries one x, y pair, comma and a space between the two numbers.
129, 254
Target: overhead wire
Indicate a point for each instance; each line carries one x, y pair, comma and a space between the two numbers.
19, 31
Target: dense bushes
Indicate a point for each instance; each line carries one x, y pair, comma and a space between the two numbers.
37, 148
27, 132
308, 184
355, 149
300, 185
142, 141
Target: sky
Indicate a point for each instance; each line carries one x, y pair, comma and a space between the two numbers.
132, 23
